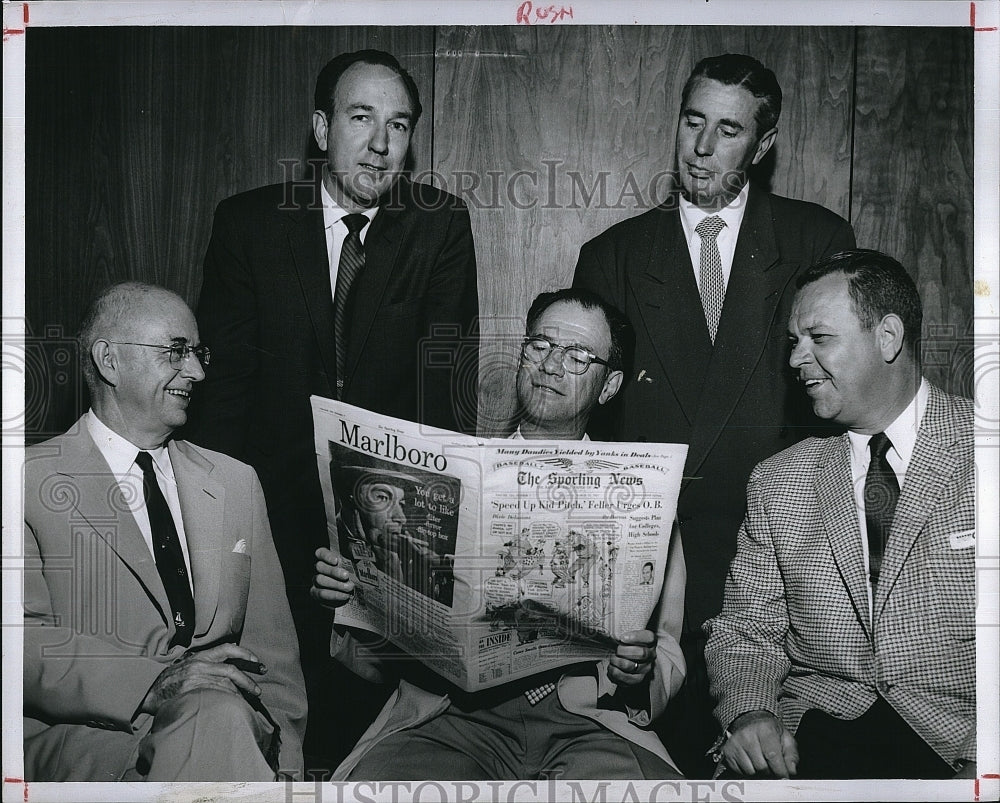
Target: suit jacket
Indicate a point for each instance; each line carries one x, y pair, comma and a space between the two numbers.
97, 619
412, 704
266, 311
733, 404
795, 631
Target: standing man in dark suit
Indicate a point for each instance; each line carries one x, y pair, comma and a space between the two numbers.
359, 285
707, 279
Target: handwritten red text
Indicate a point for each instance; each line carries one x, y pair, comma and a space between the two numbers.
528, 14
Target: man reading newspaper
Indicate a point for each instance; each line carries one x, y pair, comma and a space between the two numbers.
586, 721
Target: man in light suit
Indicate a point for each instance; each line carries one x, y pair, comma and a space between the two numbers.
586, 721
846, 643
158, 644
709, 306
406, 333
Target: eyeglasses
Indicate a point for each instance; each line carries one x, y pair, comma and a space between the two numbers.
575, 359
178, 352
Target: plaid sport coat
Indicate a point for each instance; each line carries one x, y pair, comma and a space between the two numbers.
795, 631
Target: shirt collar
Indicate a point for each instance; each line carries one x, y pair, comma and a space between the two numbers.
902, 432
332, 211
120, 452
732, 213
517, 436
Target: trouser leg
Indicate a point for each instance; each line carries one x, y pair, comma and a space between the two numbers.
206, 735
878, 744
445, 748
507, 741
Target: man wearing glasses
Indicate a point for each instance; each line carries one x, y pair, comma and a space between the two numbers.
587, 721
557, 382
155, 644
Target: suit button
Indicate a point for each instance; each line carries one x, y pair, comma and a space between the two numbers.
884, 687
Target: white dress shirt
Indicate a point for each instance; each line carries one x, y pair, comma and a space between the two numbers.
337, 231
516, 435
732, 214
903, 434
120, 455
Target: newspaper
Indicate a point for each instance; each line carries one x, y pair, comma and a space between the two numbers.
491, 560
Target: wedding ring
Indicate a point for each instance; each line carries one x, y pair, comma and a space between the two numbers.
636, 666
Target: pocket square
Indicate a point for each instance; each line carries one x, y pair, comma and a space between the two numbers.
241, 547
963, 539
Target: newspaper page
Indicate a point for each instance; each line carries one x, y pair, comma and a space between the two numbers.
493, 560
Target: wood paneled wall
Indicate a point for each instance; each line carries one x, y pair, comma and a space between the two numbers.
912, 178
550, 133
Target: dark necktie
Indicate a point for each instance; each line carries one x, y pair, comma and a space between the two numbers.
352, 260
711, 282
167, 552
881, 494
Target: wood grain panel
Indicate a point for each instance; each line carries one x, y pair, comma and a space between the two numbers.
913, 183
69, 230
488, 137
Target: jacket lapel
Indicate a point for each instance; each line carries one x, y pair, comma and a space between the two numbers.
202, 506
834, 492
755, 288
931, 467
100, 503
307, 243
667, 298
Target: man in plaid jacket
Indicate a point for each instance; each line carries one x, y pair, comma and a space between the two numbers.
840, 653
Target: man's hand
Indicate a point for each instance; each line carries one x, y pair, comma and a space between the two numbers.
759, 743
634, 658
221, 667
332, 586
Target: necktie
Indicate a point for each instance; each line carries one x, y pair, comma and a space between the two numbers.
167, 552
352, 260
881, 494
710, 279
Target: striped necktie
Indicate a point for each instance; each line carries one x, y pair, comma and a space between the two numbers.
352, 260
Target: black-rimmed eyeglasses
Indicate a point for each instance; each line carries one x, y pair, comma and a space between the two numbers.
575, 359
178, 352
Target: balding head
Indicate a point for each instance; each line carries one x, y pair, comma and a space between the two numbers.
138, 387
115, 315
